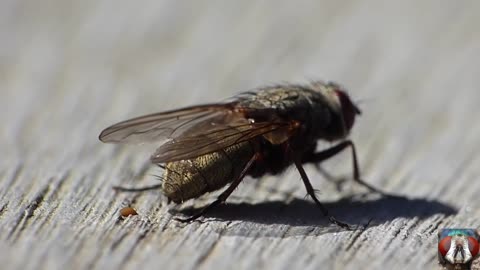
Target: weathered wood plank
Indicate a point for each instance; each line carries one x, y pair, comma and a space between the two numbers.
69, 69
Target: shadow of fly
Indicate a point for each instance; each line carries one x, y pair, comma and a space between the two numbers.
263, 131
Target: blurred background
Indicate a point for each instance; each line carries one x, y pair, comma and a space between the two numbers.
68, 69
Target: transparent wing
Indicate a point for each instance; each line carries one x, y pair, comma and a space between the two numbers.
159, 127
193, 131
216, 138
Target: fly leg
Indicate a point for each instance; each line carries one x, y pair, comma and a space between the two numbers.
225, 194
330, 152
311, 192
124, 189
338, 182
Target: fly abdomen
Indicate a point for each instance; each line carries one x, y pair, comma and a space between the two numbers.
187, 179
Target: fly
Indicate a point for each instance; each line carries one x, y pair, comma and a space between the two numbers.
263, 131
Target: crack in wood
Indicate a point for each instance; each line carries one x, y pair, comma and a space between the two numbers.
28, 212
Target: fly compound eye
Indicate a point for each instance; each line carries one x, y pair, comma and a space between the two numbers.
444, 245
473, 246
349, 110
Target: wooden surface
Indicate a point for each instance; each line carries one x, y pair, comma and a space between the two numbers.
68, 69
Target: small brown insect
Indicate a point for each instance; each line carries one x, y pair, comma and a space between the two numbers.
257, 132
128, 211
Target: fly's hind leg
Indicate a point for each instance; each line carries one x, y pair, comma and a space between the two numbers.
330, 152
141, 189
225, 194
125, 189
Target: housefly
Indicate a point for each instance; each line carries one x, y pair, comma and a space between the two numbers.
263, 131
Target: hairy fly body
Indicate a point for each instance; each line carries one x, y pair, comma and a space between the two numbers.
205, 147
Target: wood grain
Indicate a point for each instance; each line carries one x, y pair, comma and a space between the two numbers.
68, 69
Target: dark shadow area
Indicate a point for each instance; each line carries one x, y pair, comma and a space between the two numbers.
355, 210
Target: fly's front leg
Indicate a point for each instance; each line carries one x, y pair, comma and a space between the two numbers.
225, 194
338, 182
330, 152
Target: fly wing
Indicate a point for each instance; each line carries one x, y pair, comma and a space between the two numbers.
194, 131
159, 127
216, 138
